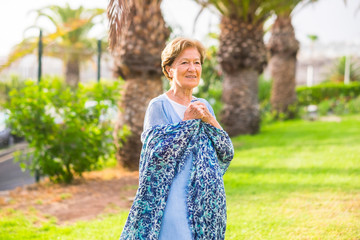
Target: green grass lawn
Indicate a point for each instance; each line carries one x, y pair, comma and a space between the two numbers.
294, 180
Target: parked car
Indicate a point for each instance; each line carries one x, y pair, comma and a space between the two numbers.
6, 138
5, 132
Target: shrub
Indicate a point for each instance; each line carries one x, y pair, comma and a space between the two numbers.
318, 93
66, 137
339, 106
264, 89
354, 105
325, 107
12, 82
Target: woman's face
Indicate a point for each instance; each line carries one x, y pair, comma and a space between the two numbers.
186, 69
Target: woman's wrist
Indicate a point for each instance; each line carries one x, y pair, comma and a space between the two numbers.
212, 121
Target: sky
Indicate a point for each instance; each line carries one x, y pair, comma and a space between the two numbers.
330, 20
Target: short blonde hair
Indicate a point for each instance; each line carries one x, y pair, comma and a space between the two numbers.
174, 48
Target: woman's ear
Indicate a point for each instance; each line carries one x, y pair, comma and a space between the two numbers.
168, 69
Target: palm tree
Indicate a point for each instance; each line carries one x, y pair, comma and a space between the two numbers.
137, 36
283, 48
69, 42
242, 56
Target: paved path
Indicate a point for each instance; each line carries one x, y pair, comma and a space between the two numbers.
11, 175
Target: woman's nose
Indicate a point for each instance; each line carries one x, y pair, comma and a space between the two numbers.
191, 67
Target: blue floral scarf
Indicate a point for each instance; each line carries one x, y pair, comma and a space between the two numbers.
165, 149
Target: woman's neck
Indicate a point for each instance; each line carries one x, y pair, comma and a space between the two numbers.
182, 96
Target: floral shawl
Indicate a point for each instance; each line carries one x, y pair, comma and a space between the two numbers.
165, 149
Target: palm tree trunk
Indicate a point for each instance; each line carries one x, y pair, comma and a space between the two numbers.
136, 96
240, 113
283, 48
138, 61
72, 72
242, 55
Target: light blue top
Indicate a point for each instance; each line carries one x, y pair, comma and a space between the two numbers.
175, 224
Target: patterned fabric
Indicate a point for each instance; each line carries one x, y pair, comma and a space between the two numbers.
165, 149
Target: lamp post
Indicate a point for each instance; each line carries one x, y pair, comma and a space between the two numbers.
347, 70
99, 60
310, 68
40, 50
347, 64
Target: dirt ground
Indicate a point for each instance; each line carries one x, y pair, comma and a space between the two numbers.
106, 191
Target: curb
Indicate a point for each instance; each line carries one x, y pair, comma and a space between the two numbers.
6, 153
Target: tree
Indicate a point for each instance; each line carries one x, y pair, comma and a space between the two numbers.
283, 48
242, 56
137, 36
69, 42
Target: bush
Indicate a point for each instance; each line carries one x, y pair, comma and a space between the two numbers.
339, 106
264, 89
354, 105
321, 92
326, 107
67, 138
13, 82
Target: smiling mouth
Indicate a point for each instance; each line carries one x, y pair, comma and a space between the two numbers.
192, 76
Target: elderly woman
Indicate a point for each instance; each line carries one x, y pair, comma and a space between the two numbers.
184, 157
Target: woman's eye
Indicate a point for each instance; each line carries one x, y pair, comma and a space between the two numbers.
197, 63
184, 63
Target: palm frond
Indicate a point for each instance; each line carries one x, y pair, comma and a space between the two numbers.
24, 48
117, 12
29, 45
217, 4
41, 13
197, 16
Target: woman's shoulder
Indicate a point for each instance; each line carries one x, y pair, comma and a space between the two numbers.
157, 101
156, 112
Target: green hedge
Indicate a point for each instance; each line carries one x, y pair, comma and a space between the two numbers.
318, 93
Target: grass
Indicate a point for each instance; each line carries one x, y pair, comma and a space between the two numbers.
294, 180
17, 225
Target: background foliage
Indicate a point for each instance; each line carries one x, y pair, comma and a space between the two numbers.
67, 135
10, 83
338, 70
318, 93
210, 87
